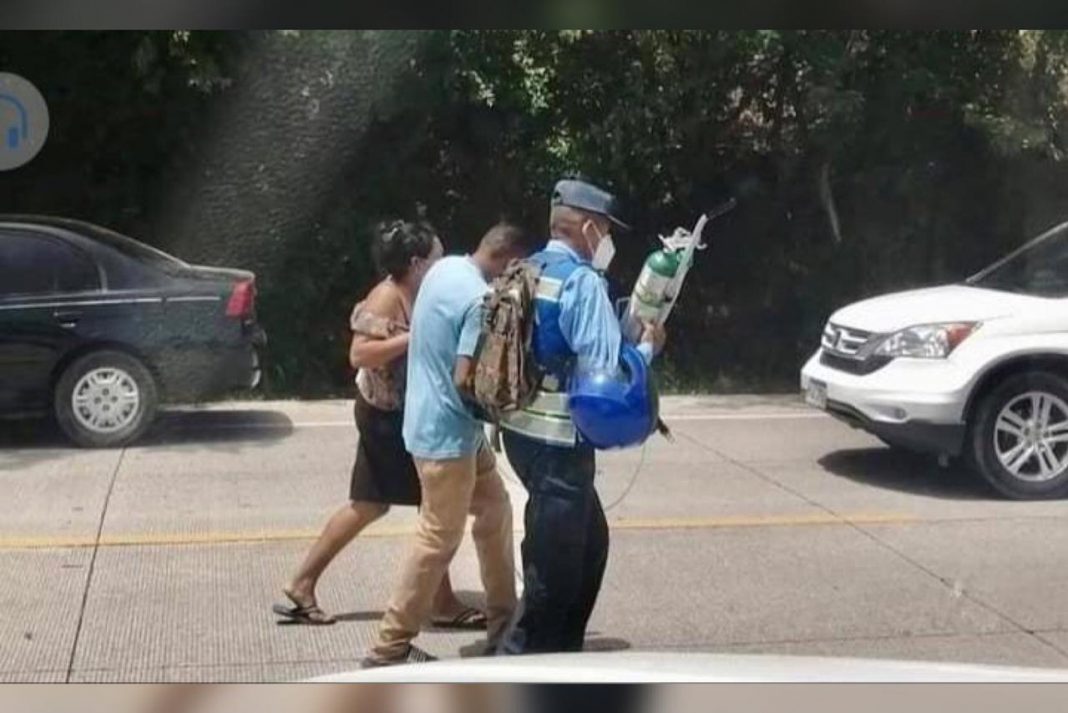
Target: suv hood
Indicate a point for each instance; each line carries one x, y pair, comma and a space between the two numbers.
948, 303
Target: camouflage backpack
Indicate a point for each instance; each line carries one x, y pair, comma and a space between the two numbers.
505, 375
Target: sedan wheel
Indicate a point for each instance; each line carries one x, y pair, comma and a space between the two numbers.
105, 399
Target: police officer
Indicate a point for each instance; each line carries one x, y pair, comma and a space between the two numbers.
565, 548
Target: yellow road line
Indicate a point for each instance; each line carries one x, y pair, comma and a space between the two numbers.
144, 539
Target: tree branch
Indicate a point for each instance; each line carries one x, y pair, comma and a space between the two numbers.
827, 199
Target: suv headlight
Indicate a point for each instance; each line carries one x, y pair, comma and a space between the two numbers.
927, 341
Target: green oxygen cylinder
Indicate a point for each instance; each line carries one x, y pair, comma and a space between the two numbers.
650, 291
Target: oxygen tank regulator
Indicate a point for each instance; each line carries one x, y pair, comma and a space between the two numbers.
660, 282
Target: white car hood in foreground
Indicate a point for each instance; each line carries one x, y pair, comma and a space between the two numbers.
948, 303
634, 667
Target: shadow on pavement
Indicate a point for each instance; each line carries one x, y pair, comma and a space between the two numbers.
360, 616
604, 644
906, 472
25, 442
31, 433
216, 427
593, 643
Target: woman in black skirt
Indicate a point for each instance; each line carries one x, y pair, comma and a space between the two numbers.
383, 474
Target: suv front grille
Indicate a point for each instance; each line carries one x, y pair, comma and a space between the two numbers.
844, 341
849, 350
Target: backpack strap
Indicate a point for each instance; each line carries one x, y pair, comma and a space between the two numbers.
546, 417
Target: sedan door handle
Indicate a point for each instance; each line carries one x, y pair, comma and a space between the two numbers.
68, 319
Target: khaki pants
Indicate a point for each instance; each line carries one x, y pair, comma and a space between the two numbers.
452, 489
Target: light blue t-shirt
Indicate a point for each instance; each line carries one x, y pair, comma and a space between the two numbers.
446, 321
587, 320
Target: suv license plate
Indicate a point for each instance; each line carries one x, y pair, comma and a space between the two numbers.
816, 394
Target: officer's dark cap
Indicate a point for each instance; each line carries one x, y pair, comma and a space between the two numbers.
574, 193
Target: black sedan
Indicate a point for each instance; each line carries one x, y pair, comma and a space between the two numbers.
98, 329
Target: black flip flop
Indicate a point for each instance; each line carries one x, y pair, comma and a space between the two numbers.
469, 619
311, 615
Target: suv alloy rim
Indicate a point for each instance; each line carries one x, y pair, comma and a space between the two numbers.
1031, 436
106, 400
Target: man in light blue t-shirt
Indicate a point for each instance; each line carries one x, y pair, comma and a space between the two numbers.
446, 322
457, 471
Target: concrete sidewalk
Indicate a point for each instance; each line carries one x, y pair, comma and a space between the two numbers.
765, 527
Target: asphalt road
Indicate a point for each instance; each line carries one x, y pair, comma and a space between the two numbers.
764, 528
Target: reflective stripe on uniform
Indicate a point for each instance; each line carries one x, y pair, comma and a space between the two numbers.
549, 289
547, 418
556, 430
550, 404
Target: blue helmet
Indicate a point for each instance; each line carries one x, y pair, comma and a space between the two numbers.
615, 409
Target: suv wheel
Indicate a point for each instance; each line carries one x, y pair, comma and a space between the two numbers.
105, 399
1020, 436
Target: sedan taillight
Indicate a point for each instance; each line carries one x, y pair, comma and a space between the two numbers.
242, 300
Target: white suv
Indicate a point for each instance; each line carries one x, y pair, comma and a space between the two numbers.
977, 369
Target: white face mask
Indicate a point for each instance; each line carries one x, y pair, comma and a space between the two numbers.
602, 256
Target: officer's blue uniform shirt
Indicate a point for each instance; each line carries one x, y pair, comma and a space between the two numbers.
587, 320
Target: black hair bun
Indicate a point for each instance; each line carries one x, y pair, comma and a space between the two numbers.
398, 242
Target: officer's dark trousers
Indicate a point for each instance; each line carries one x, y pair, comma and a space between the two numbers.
565, 548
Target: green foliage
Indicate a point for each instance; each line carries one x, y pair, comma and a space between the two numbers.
863, 161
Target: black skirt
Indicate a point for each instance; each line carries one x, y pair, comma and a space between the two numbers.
383, 472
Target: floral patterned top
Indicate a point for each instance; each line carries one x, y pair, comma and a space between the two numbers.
382, 387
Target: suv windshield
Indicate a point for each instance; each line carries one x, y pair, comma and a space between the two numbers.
1039, 268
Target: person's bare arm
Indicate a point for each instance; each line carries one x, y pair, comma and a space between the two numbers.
463, 375
370, 353
463, 372
373, 353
